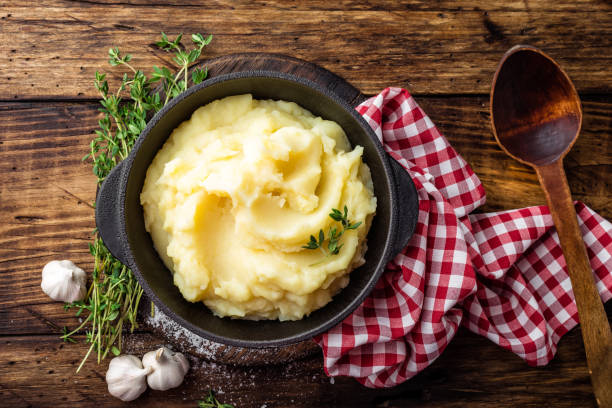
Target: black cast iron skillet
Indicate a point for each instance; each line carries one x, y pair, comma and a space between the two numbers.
120, 219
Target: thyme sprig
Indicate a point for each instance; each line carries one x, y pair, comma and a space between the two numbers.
334, 234
114, 295
212, 402
112, 299
183, 59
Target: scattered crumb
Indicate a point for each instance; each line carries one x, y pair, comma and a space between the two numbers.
174, 331
189, 342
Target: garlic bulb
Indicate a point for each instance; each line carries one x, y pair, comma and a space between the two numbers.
168, 368
64, 281
126, 377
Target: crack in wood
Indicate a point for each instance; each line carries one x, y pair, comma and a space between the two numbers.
31, 257
45, 320
85, 22
29, 218
124, 27
79, 199
14, 394
121, 3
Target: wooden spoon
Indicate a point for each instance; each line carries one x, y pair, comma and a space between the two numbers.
536, 118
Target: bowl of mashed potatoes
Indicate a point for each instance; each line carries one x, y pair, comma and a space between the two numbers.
257, 209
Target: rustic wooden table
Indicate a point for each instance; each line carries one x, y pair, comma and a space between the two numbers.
444, 52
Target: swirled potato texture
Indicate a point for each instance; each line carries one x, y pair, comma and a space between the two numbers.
236, 192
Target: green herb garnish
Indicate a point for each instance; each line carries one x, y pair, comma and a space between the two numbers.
183, 59
114, 294
212, 402
334, 234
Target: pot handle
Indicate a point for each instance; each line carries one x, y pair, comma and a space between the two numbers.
107, 213
407, 207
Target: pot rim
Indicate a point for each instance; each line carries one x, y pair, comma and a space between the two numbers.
365, 290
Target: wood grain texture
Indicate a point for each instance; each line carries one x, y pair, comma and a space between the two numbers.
186, 342
250, 61
472, 372
444, 52
358, 5
53, 48
536, 119
594, 324
45, 189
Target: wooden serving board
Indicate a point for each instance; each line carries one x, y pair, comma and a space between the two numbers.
180, 337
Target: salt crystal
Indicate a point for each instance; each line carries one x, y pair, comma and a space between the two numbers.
201, 346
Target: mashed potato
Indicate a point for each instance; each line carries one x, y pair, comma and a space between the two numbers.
235, 193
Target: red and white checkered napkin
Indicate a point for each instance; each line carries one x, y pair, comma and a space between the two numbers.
498, 274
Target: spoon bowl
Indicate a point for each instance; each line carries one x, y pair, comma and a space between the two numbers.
536, 117
536, 110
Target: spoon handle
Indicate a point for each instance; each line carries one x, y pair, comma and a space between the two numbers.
593, 320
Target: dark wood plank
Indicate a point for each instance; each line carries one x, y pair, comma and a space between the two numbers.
262, 61
42, 144
53, 48
45, 189
45, 197
509, 184
357, 5
472, 372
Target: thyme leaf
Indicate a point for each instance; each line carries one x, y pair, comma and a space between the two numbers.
333, 236
212, 402
114, 294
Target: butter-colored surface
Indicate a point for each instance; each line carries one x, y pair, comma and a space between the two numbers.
235, 193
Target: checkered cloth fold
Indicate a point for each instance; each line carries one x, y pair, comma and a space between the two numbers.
500, 274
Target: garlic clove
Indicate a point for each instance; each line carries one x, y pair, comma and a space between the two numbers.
126, 377
64, 281
168, 368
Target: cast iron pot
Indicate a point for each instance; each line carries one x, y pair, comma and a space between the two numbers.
120, 221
